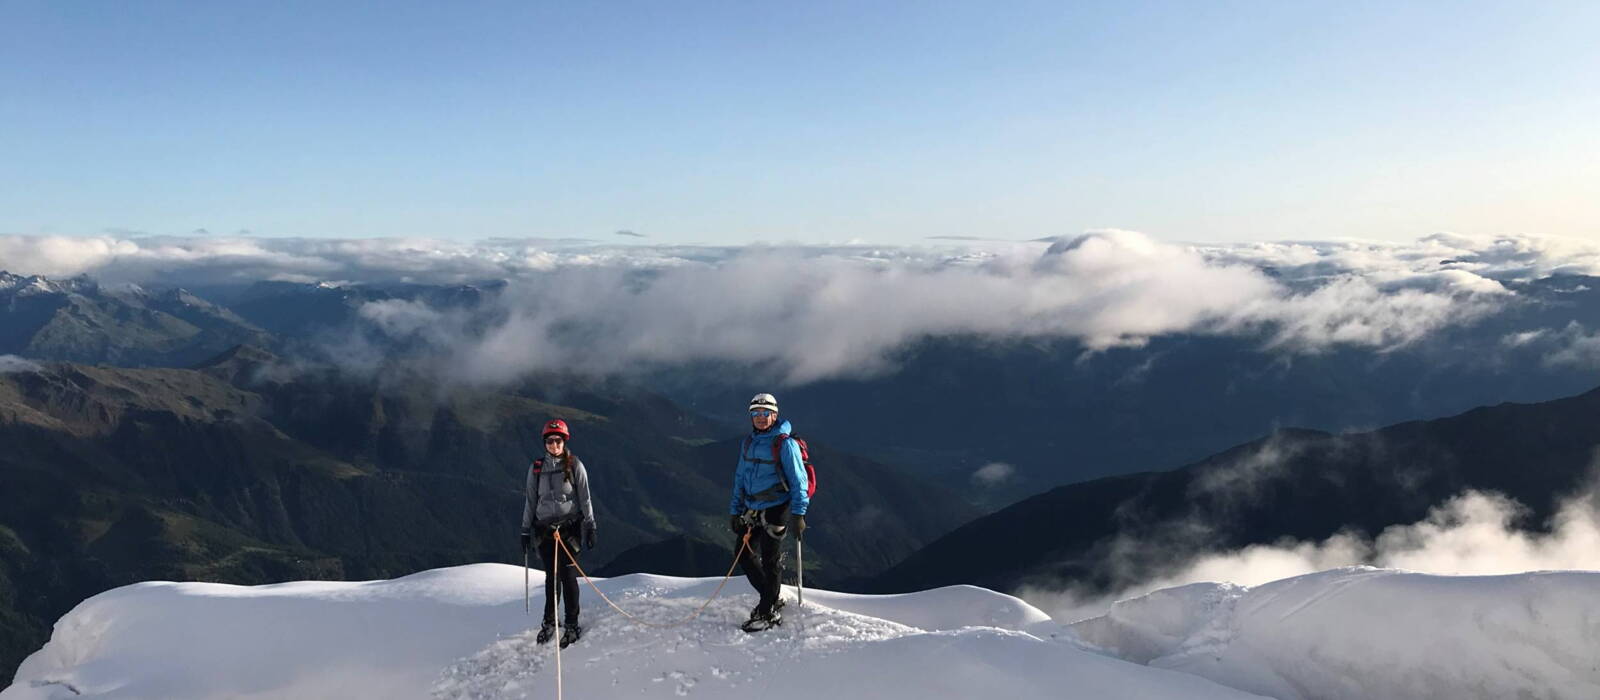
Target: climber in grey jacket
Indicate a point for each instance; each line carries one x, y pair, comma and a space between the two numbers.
557, 500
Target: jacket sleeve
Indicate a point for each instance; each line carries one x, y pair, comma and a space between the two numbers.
736, 505
794, 469
527, 501
580, 484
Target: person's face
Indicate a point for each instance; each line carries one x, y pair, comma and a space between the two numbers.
763, 419
554, 444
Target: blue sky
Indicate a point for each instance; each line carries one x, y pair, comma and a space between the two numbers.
809, 122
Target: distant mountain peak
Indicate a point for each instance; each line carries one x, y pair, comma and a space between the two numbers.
30, 285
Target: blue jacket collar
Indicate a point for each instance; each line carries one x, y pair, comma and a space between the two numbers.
782, 426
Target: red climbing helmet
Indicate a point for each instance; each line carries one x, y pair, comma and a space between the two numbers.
557, 427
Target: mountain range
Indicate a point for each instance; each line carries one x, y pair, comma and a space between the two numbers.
1049, 411
76, 320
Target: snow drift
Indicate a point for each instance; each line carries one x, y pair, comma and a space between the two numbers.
461, 633
1359, 633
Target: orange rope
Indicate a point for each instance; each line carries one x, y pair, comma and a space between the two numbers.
744, 544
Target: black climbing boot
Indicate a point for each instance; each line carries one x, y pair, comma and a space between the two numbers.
761, 619
571, 632
546, 632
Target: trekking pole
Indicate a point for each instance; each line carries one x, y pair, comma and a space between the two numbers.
556, 568
527, 607
800, 562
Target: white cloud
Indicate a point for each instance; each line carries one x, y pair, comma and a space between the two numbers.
1573, 346
994, 474
403, 317
1517, 340
1505, 258
12, 363
1474, 533
832, 315
1351, 310
824, 311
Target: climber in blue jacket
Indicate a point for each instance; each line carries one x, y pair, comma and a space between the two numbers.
769, 499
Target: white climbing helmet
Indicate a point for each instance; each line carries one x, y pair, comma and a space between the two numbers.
766, 401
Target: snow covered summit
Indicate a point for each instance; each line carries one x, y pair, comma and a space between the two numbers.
461, 633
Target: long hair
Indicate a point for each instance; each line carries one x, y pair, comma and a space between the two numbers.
567, 460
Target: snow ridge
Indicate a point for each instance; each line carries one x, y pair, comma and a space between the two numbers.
462, 633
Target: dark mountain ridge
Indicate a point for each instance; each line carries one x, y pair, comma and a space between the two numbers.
1304, 485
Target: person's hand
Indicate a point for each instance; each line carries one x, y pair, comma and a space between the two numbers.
736, 524
798, 524
588, 534
527, 541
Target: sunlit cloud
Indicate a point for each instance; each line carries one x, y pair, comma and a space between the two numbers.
831, 311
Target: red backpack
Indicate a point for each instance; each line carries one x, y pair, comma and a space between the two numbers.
777, 461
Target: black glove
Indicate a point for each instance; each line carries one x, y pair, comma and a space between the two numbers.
588, 534
527, 541
797, 523
736, 523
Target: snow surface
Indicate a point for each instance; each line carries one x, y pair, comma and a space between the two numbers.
1371, 633
461, 633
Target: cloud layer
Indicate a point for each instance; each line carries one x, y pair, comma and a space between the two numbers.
1474, 533
828, 311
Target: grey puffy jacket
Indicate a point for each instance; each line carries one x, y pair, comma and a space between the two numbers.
550, 500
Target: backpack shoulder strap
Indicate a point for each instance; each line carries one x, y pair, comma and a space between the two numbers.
777, 459
538, 479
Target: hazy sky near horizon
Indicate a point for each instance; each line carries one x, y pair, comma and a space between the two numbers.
727, 123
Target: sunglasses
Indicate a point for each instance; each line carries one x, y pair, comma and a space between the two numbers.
761, 413
551, 439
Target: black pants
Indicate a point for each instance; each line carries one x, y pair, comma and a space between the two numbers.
567, 574
763, 561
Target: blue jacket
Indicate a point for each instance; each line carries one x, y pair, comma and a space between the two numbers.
755, 480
